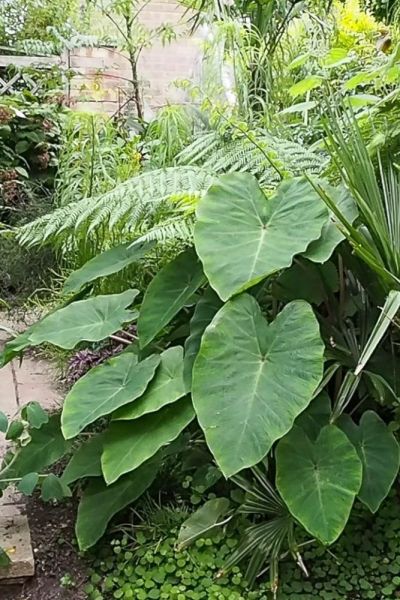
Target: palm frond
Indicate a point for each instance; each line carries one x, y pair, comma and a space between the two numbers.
265, 541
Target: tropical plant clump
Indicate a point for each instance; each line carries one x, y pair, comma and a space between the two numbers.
253, 258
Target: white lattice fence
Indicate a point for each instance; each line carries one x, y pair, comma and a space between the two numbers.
18, 78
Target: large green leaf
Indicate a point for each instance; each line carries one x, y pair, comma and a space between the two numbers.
318, 480
46, 446
108, 262
91, 320
242, 237
86, 461
166, 387
305, 280
104, 389
128, 444
316, 416
379, 453
100, 502
203, 521
168, 293
305, 85
206, 308
251, 379
321, 250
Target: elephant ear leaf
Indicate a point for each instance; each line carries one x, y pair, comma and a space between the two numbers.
166, 387
244, 369
316, 416
319, 480
242, 236
206, 309
128, 444
379, 453
168, 293
106, 388
322, 249
108, 262
88, 320
100, 502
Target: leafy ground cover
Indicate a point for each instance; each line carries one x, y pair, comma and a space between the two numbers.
365, 563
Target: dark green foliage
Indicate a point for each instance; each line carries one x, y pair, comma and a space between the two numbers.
383, 9
29, 136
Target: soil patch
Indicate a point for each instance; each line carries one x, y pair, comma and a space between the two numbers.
56, 555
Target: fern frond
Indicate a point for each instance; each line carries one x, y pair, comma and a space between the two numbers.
174, 228
200, 148
121, 208
219, 155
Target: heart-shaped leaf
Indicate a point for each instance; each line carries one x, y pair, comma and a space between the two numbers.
34, 414
379, 453
28, 483
168, 293
90, 320
242, 237
251, 380
108, 262
128, 444
166, 387
53, 488
104, 389
318, 480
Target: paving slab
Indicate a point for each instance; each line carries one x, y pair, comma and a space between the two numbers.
16, 540
20, 383
8, 398
35, 381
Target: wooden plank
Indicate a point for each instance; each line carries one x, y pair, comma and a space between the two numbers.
30, 61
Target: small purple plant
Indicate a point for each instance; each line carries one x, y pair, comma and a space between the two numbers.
83, 360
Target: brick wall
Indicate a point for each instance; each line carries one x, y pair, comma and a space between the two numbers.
101, 80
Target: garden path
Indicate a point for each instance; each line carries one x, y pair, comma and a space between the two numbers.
20, 383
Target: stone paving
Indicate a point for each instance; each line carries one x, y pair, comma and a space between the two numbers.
20, 383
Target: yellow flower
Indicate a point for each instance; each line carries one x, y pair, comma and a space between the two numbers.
354, 23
